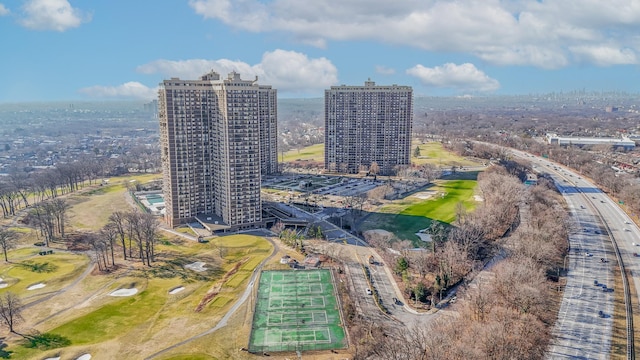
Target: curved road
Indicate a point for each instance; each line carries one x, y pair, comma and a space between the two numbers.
581, 331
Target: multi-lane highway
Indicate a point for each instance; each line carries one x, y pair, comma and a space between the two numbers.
585, 321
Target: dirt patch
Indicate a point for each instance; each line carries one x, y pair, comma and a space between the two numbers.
216, 288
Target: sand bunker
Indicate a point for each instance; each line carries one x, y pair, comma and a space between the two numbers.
55, 358
122, 292
84, 357
176, 290
3, 285
196, 266
36, 286
424, 195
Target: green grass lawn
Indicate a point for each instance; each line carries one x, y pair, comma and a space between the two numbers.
313, 152
407, 216
153, 315
430, 153
91, 210
28, 268
433, 153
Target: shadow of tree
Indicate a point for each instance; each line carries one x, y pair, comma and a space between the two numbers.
4, 354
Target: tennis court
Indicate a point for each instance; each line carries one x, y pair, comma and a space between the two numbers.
296, 310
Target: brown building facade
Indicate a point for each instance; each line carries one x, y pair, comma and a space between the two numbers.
217, 137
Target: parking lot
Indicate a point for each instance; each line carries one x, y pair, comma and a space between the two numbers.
322, 184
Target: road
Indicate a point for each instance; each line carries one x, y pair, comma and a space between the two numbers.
399, 312
581, 331
332, 232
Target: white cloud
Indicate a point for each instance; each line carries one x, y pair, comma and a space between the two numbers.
464, 77
287, 71
604, 55
3, 10
513, 32
383, 70
56, 15
127, 90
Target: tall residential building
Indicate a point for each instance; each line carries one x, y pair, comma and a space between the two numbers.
366, 125
217, 137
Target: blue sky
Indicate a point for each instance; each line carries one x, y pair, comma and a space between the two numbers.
85, 50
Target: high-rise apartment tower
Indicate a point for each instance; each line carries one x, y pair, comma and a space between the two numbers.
366, 125
217, 137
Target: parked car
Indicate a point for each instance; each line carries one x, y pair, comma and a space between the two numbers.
369, 291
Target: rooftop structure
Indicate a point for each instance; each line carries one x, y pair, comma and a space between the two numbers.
624, 143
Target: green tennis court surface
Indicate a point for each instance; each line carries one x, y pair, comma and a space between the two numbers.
296, 310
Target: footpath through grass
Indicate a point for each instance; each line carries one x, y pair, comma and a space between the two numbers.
407, 216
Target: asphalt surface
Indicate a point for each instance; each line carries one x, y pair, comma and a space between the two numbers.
584, 326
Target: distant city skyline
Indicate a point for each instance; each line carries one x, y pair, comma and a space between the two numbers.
65, 50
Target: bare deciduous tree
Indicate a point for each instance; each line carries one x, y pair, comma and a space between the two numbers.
118, 219
10, 310
8, 240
